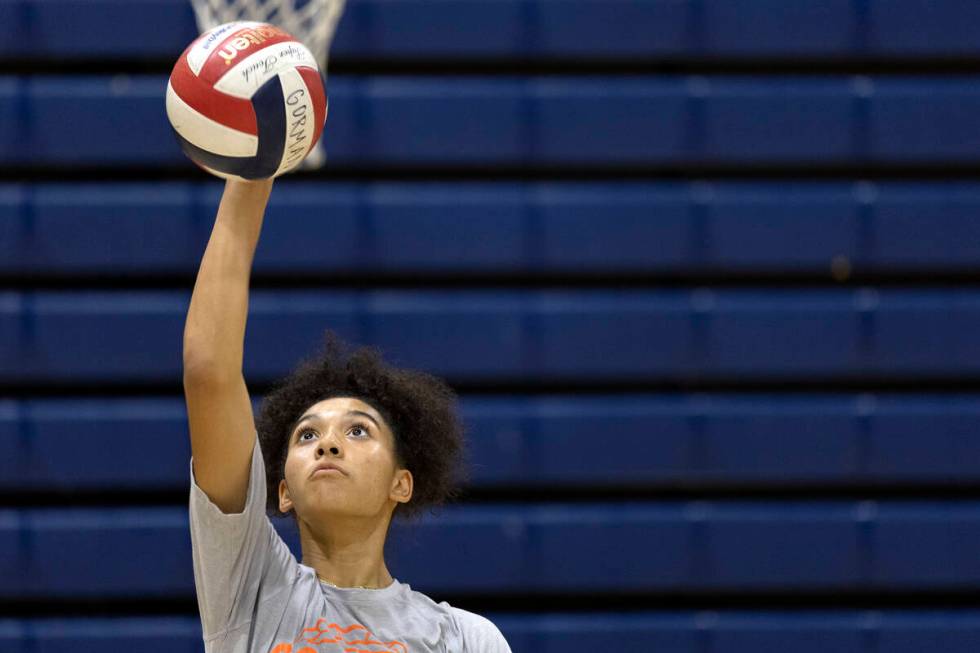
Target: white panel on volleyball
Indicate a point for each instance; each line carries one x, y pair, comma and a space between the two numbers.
218, 173
206, 133
300, 119
248, 75
205, 45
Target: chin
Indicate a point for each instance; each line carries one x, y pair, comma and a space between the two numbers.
322, 511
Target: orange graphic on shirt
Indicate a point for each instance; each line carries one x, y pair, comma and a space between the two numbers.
352, 639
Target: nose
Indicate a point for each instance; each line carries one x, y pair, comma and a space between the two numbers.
329, 443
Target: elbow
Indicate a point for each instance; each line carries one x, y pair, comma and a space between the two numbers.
210, 356
205, 371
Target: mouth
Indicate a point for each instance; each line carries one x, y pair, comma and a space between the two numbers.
328, 471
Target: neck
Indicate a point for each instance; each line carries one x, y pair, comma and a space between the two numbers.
347, 553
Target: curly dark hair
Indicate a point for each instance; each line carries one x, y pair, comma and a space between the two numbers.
420, 409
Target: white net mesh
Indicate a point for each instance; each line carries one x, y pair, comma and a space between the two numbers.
311, 21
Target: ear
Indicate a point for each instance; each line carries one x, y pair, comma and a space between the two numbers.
285, 502
401, 486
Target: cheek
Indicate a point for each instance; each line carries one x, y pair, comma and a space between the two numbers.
292, 467
382, 467
379, 459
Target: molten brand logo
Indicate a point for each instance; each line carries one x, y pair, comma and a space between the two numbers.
324, 638
245, 40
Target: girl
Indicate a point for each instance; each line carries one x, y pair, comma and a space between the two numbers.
342, 445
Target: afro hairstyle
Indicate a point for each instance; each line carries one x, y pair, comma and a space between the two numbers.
420, 409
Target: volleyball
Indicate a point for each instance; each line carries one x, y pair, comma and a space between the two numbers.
246, 100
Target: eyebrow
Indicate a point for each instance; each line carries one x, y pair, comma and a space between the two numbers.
349, 412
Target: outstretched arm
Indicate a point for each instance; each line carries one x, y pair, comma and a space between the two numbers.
219, 410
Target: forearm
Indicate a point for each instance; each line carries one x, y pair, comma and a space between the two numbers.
214, 331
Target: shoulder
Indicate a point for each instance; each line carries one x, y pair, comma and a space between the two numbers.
480, 635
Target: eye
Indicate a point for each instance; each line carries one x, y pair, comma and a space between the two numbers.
302, 433
359, 427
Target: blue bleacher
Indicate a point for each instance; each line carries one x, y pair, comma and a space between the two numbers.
540, 29
639, 121
757, 440
844, 631
486, 335
623, 546
439, 227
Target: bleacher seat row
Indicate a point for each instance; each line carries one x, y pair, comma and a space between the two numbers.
593, 30
619, 547
847, 631
513, 121
662, 441
702, 228
532, 335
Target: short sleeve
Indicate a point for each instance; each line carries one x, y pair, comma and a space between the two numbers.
239, 559
480, 635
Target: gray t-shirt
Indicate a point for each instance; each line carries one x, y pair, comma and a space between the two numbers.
255, 597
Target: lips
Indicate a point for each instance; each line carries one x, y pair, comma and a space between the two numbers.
325, 470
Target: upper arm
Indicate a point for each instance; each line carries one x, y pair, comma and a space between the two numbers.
222, 428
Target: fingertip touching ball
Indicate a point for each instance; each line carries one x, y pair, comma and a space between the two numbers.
246, 100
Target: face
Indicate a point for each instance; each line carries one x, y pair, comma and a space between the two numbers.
351, 435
